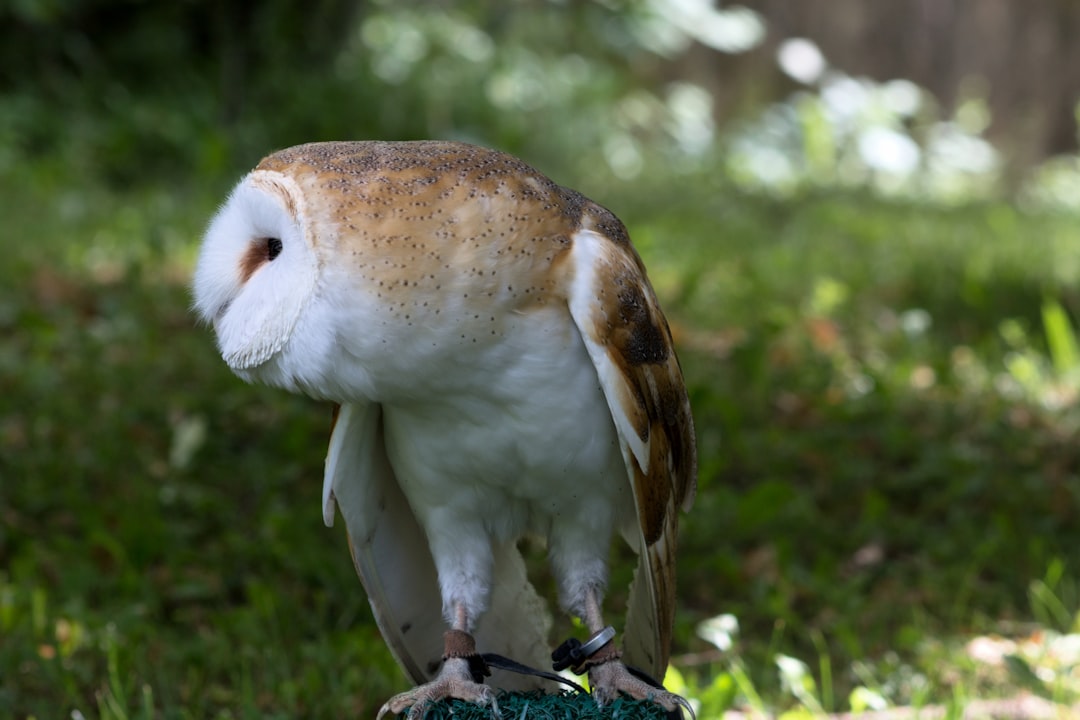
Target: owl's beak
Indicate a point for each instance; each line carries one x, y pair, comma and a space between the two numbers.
221, 313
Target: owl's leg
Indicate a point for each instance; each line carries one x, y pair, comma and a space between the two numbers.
577, 552
455, 679
608, 676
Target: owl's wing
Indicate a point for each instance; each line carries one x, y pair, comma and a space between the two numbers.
630, 344
392, 557
388, 547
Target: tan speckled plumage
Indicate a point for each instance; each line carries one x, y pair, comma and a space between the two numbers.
427, 221
441, 272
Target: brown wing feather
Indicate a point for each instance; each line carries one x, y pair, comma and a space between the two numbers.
628, 323
630, 343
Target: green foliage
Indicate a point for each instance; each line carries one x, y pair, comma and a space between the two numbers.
201, 89
885, 390
875, 480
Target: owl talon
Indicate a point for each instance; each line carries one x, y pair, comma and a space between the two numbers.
611, 678
453, 681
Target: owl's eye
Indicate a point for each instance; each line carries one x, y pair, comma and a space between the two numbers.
273, 248
259, 252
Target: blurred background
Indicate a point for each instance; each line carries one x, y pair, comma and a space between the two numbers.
863, 220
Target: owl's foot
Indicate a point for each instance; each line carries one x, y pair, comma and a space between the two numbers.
609, 679
458, 679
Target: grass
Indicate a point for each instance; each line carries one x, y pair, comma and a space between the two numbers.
885, 401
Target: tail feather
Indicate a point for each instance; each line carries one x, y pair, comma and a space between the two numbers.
651, 605
518, 623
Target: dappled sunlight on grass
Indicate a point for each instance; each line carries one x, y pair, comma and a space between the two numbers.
885, 398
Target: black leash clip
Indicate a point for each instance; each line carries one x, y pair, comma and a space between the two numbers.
572, 653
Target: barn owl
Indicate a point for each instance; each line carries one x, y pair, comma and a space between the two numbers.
501, 369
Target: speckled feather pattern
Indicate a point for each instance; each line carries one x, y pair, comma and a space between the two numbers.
428, 220
438, 218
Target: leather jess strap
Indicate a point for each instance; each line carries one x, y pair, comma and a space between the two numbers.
572, 654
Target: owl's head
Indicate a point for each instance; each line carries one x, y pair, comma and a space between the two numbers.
257, 269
